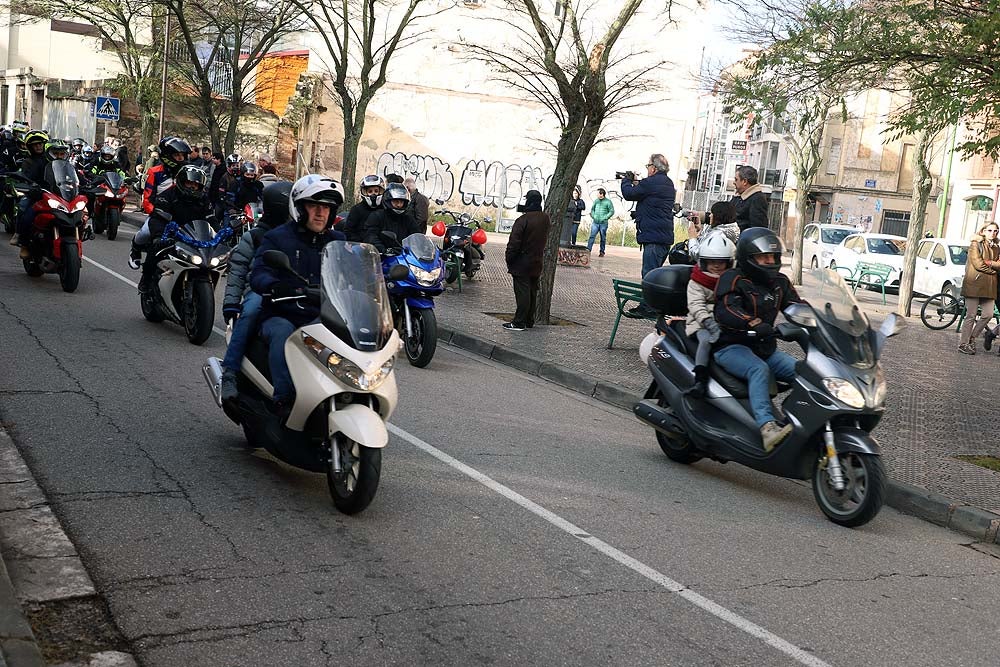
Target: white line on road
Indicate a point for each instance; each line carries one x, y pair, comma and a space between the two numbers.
800, 655
791, 650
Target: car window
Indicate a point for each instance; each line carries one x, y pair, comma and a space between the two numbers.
808, 234
938, 256
924, 249
853, 243
886, 246
835, 236
959, 254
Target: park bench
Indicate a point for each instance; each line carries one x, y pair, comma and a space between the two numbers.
627, 292
871, 274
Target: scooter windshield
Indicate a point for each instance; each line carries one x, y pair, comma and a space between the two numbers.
61, 179
355, 302
843, 329
421, 247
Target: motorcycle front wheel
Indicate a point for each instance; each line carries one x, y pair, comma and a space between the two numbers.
69, 269
114, 219
353, 488
199, 312
421, 345
863, 494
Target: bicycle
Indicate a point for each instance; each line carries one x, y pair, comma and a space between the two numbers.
941, 310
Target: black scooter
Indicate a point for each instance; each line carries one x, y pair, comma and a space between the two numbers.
835, 401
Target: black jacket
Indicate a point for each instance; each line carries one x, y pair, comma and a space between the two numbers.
34, 168
303, 248
751, 208
247, 191
354, 226
402, 224
526, 244
171, 207
739, 300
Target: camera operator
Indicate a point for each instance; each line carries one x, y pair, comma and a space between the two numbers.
654, 217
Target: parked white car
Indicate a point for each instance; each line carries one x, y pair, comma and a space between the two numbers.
819, 242
940, 266
872, 249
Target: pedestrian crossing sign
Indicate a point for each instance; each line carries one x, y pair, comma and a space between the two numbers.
107, 108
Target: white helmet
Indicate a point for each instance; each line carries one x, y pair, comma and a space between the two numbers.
372, 180
314, 188
716, 246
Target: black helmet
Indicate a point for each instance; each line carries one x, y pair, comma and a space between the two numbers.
233, 161
190, 182
106, 158
169, 146
275, 203
395, 192
77, 145
249, 170
56, 150
758, 241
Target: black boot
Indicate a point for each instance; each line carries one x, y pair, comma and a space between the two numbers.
148, 279
700, 386
230, 392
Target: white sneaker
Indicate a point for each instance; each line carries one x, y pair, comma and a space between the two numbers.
14, 239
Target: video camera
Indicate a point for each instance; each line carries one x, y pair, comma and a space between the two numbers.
625, 175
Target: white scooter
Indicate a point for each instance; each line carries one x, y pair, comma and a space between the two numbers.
341, 367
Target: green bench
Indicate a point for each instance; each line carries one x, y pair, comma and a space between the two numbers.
627, 292
871, 274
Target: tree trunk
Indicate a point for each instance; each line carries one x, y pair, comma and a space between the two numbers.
921, 192
572, 152
801, 204
354, 129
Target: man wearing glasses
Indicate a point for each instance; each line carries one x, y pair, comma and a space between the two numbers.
654, 218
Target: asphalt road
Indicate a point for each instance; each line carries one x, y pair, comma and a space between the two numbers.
516, 523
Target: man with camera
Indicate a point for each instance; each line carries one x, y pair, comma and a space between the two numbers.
653, 214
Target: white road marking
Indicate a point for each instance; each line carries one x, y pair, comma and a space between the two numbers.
125, 280
791, 650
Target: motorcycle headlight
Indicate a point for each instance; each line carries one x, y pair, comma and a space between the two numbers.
195, 259
80, 205
844, 391
220, 258
426, 277
108, 193
346, 370
881, 388
54, 204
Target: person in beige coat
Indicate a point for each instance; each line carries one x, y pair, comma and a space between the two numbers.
980, 285
717, 253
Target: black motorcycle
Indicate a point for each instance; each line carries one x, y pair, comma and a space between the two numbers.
462, 247
9, 197
835, 401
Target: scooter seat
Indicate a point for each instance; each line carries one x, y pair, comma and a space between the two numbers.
734, 385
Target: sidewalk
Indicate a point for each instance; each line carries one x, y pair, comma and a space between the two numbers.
941, 403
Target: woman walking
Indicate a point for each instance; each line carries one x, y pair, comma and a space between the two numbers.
980, 285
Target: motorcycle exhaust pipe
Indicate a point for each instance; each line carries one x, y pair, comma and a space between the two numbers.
650, 413
212, 371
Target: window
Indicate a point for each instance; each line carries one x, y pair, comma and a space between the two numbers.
938, 256
559, 8
959, 254
811, 233
833, 159
886, 246
835, 236
924, 249
853, 243
895, 223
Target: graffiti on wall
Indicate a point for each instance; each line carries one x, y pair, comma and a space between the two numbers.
497, 184
433, 176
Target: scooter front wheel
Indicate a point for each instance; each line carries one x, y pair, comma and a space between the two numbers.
677, 446
863, 494
353, 488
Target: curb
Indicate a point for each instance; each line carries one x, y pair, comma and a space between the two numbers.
933, 507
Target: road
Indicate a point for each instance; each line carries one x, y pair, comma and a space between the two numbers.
516, 523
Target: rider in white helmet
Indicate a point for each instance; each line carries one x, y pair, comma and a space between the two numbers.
715, 258
372, 188
312, 206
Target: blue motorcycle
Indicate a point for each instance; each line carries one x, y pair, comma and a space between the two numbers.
412, 299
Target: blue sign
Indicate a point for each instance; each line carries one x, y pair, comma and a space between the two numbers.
878, 205
870, 183
107, 108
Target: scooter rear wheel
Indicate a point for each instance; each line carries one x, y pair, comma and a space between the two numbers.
677, 448
354, 487
863, 495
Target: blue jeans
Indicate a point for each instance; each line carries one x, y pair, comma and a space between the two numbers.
276, 331
596, 227
653, 256
243, 328
740, 361
576, 228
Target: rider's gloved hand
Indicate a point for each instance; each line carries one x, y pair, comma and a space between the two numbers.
231, 312
763, 330
713, 329
286, 291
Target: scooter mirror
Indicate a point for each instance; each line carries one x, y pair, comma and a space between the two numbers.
892, 325
398, 272
801, 314
277, 260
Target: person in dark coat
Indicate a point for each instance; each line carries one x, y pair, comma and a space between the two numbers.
751, 201
419, 204
524, 258
574, 212
654, 211
392, 217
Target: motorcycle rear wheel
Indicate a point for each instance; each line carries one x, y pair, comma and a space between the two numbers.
150, 309
31, 268
678, 449
863, 496
353, 489
199, 314
421, 345
114, 219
